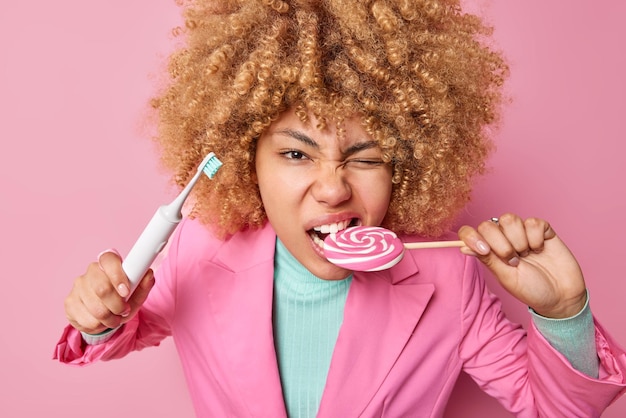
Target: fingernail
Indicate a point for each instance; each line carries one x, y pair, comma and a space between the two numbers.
125, 313
123, 290
514, 262
482, 247
108, 250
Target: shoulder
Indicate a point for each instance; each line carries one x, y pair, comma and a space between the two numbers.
457, 278
192, 236
446, 267
195, 241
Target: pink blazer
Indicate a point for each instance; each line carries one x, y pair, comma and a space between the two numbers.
407, 334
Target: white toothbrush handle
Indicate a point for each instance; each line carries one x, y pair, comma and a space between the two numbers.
141, 256
148, 246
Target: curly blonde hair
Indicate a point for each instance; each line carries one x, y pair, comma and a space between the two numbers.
419, 72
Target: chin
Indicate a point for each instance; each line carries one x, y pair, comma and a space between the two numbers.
331, 272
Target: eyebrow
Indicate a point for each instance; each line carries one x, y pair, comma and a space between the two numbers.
300, 137
353, 149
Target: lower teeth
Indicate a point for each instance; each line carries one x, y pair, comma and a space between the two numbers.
317, 240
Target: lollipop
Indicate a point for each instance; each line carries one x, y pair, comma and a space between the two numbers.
371, 248
364, 248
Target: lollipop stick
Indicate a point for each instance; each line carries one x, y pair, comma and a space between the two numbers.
433, 244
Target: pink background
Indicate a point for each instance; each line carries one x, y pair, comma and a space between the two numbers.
77, 175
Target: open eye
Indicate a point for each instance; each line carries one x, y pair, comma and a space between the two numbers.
294, 155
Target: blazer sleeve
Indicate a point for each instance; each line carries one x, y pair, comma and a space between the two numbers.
559, 387
147, 328
522, 370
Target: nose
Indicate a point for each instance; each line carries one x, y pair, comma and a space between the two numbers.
331, 186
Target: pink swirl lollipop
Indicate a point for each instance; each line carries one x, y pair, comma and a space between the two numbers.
364, 248
372, 248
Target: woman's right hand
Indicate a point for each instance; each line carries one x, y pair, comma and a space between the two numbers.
98, 299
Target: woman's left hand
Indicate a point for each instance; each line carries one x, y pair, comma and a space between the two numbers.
530, 261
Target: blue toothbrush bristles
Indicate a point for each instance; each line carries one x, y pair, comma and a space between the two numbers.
211, 166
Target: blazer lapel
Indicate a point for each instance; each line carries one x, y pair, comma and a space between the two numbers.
380, 316
241, 303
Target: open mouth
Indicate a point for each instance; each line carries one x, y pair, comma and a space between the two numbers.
319, 233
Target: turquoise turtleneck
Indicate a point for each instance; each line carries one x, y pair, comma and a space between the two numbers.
308, 313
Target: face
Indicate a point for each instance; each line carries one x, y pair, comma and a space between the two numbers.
313, 183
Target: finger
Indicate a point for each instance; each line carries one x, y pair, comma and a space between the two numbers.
538, 232
90, 316
95, 311
499, 244
97, 293
80, 318
513, 228
111, 263
84, 321
140, 294
475, 243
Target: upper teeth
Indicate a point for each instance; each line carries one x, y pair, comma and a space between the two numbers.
332, 228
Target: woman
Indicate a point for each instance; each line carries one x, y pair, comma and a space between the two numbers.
328, 115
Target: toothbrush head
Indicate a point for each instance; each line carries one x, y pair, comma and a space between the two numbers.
210, 165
